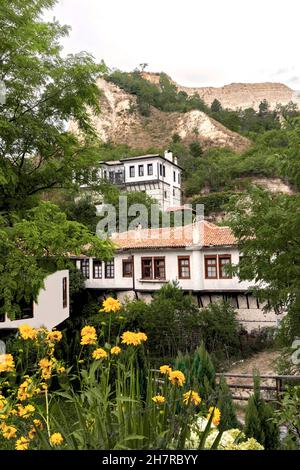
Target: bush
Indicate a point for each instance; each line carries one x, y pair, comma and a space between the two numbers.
259, 420
220, 329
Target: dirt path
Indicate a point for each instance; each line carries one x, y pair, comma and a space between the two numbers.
262, 362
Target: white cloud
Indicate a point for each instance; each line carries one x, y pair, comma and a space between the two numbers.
197, 42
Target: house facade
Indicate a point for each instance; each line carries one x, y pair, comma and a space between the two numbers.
157, 175
51, 308
196, 256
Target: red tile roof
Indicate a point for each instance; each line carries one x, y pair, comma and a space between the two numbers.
203, 233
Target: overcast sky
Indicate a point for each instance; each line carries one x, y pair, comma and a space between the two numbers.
196, 42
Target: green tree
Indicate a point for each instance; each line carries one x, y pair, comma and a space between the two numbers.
259, 420
37, 246
43, 92
195, 149
216, 106
267, 227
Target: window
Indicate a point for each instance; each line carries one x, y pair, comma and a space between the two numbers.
159, 268
174, 176
97, 269
131, 171
164, 170
160, 169
111, 176
224, 261
211, 267
26, 310
150, 169
165, 194
65, 292
127, 268
146, 268
153, 268
173, 192
141, 170
85, 268
109, 269
179, 178
184, 267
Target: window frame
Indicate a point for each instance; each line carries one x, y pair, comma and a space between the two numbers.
84, 270
97, 263
179, 259
155, 259
141, 170
132, 171
143, 259
109, 265
150, 165
65, 291
206, 257
124, 262
220, 257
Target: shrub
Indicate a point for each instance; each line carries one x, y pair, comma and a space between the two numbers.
259, 420
220, 329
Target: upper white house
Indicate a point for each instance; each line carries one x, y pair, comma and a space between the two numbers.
157, 175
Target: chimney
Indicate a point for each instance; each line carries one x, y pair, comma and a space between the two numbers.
168, 156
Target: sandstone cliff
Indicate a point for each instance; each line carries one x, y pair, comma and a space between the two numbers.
121, 123
239, 95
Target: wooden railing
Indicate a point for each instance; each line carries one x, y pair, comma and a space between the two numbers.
278, 386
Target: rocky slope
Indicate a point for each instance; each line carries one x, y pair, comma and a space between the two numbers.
240, 95
121, 123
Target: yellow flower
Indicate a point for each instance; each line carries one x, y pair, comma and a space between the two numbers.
32, 433
38, 423
56, 439
25, 411
142, 336
216, 415
159, 399
46, 368
54, 336
6, 363
8, 432
115, 350
133, 339
22, 444
176, 377
111, 305
23, 392
27, 332
191, 397
88, 335
99, 353
61, 370
165, 369
3, 402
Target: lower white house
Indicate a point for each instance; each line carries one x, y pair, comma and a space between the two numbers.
195, 256
50, 309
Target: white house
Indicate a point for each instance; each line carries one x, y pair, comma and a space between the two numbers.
195, 256
51, 308
157, 175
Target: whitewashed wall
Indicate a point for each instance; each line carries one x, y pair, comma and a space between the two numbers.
48, 311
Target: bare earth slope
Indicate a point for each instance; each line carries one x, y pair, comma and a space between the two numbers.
121, 123
240, 95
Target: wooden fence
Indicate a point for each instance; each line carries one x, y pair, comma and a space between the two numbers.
272, 386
